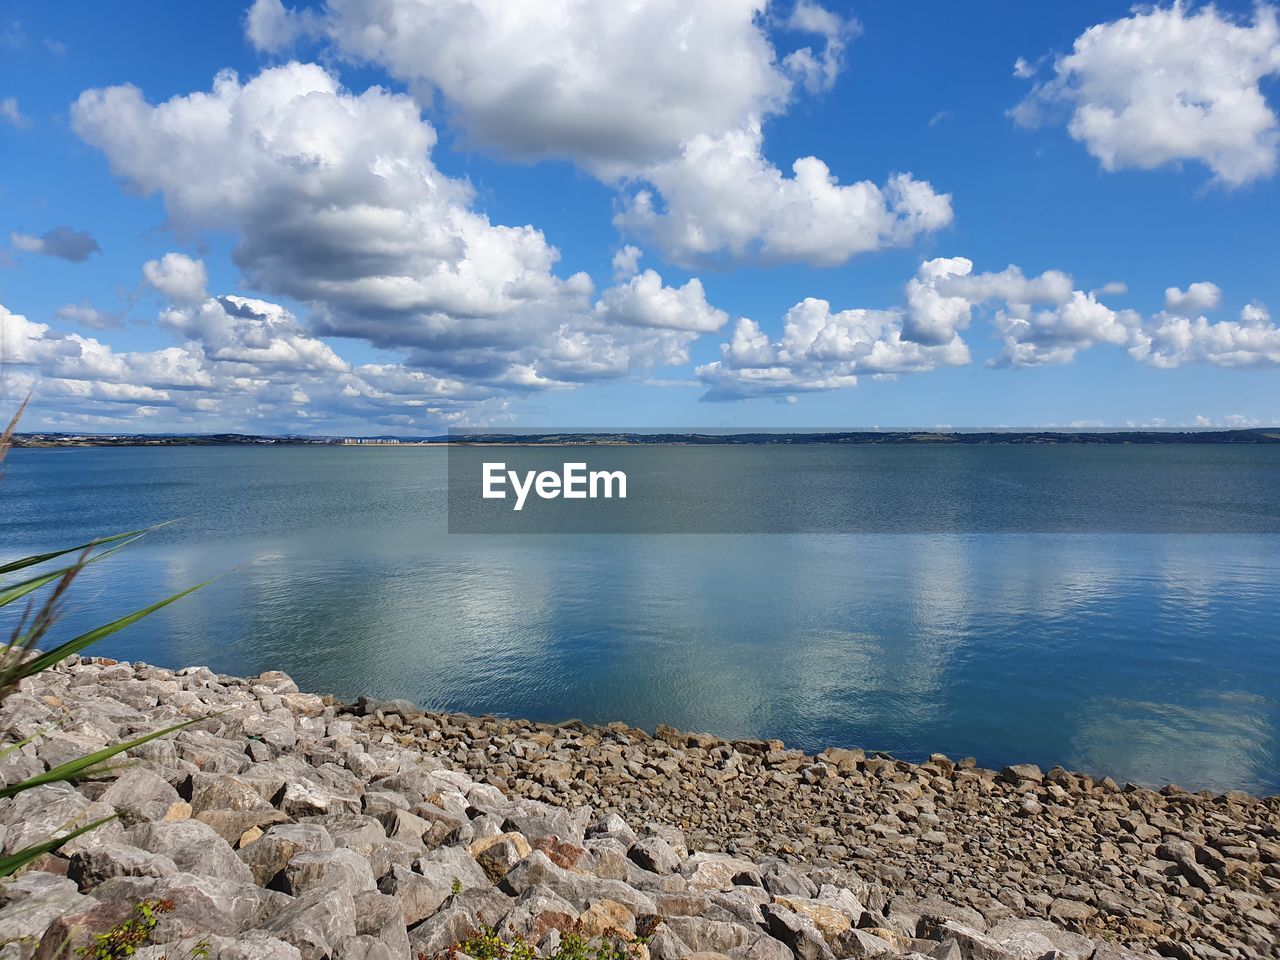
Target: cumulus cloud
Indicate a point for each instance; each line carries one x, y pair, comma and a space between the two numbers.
626, 261
1168, 84
338, 205
240, 362
598, 83
820, 350
1055, 335
1173, 337
722, 199
62, 242
1197, 296
178, 277
664, 97
817, 70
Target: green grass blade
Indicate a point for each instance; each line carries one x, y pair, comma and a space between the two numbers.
74, 768
42, 557
16, 861
20, 590
47, 660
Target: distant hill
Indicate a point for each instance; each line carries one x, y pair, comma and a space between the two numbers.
589, 438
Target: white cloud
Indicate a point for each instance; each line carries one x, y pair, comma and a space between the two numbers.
253, 333
87, 315
665, 97
269, 25
178, 277
61, 242
338, 206
626, 261
1197, 296
10, 113
817, 70
1037, 337
598, 83
1171, 339
942, 296
241, 363
1169, 84
722, 197
820, 350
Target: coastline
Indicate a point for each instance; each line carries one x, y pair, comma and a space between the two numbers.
740, 848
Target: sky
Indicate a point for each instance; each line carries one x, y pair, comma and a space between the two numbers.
392, 217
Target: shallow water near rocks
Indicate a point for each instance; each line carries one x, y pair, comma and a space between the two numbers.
1147, 657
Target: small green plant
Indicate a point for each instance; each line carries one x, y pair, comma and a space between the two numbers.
21, 658
124, 939
487, 945
456, 888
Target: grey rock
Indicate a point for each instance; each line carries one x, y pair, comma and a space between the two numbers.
316, 922
797, 932
267, 856
779, 878
201, 904
92, 866
312, 870
382, 917
36, 903
1072, 946
193, 847
654, 854
537, 870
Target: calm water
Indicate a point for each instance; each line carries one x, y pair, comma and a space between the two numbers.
1149, 657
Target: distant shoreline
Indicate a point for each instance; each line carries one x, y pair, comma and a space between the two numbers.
1259, 435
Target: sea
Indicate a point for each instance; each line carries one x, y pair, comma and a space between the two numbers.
1023, 619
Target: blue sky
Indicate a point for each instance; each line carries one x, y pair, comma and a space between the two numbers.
401, 216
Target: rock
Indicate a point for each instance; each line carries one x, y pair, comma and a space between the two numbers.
779, 878
941, 860
606, 918
1071, 910
797, 932
267, 856
654, 854
703, 935
221, 791
193, 847
827, 917
497, 855
1072, 946
858, 943
536, 914
312, 870
381, 917
536, 870
92, 866
315, 922
717, 871
612, 825
200, 904
460, 917
232, 825
138, 794
32, 902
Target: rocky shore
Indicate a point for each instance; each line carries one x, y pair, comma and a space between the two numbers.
285, 826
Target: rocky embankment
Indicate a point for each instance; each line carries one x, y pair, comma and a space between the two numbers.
284, 826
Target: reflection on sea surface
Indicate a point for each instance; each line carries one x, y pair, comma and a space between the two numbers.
1149, 658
